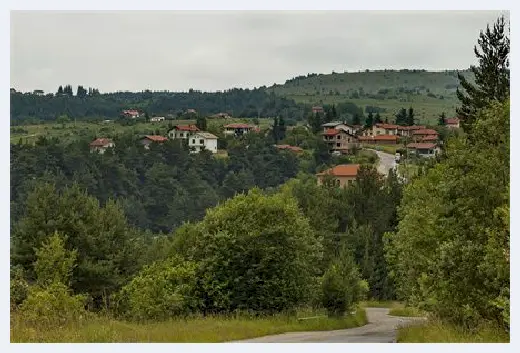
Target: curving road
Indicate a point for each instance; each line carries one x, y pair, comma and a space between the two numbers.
386, 162
381, 328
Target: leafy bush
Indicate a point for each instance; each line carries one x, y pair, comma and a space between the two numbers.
161, 290
342, 287
18, 287
256, 253
52, 305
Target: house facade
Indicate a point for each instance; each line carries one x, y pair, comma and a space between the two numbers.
380, 139
341, 175
238, 129
147, 140
340, 140
156, 119
202, 141
350, 129
100, 145
317, 109
452, 123
422, 134
182, 131
427, 150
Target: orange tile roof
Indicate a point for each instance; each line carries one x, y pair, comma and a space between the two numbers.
387, 126
413, 127
100, 142
289, 147
330, 132
386, 138
347, 170
430, 138
155, 138
425, 132
421, 146
186, 128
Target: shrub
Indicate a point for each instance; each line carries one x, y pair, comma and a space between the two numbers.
342, 286
161, 290
52, 305
18, 287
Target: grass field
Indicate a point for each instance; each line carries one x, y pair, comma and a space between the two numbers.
438, 332
429, 93
196, 330
73, 131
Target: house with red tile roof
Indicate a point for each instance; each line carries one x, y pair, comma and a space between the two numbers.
131, 113
317, 109
421, 134
380, 139
452, 123
238, 129
340, 140
182, 131
149, 139
340, 175
202, 141
100, 145
424, 149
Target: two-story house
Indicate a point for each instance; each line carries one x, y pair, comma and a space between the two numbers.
427, 150
202, 141
340, 139
452, 123
182, 131
149, 139
423, 135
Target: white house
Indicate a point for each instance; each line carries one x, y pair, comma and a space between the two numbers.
203, 140
157, 119
100, 145
182, 131
239, 129
427, 150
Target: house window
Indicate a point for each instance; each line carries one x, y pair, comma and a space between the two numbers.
350, 182
339, 136
338, 182
193, 141
338, 144
201, 141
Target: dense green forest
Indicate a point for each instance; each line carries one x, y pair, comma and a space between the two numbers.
142, 235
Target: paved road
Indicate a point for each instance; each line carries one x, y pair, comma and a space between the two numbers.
386, 162
380, 329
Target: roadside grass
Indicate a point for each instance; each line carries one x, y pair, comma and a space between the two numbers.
408, 170
391, 149
407, 311
381, 304
194, 330
435, 331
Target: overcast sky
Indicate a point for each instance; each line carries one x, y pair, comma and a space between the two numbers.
219, 50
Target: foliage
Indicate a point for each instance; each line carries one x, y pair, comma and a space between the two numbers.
256, 253
341, 285
162, 290
53, 262
455, 221
491, 76
19, 287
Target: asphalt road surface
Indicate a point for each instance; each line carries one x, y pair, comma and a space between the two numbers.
386, 162
381, 328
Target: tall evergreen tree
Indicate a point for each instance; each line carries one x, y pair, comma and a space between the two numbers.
401, 117
202, 123
334, 113
356, 119
370, 120
410, 118
442, 119
377, 118
491, 76
60, 91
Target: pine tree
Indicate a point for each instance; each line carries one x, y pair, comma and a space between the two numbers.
410, 118
356, 120
401, 117
377, 119
333, 112
491, 76
60, 91
442, 119
370, 120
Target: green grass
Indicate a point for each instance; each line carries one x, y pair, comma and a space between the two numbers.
406, 312
438, 332
391, 149
195, 330
340, 87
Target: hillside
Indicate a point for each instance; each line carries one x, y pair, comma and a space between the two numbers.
429, 93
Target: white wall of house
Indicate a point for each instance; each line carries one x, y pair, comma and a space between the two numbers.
174, 134
198, 142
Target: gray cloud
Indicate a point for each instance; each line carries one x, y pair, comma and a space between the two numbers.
211, 50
